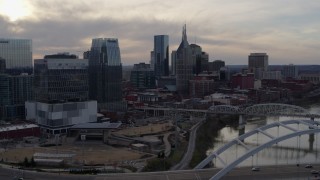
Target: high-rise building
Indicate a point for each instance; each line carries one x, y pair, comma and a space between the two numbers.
257, 64
216, 65
61, 93
60, 78
105, 74
173, 62
14, 91
86, 54
161, 55
17, 53
2, 65
200, 59
290, 71
142, 76
184, 64
152, 59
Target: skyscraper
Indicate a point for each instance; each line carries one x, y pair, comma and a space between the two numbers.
161, 55
14, 91
105, 74
257, 64
152, 60
200, 58
17, 53
184, 64
173, 62
258, 60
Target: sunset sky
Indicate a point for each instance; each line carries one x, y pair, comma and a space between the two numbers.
288, 30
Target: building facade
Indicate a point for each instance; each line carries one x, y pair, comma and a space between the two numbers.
290, 71
272, 75
60, 78
242, 81
184, 62
216, 65
173, 62
258, 63
161, 55
201, 86
17, 53
105, 74
61, 94
142, 76
2, 65
14, 91
313, 78
152, 60
200, 58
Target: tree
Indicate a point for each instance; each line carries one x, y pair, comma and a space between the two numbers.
32, 162
26, 162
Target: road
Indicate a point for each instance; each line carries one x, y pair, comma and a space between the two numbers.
10, 173
276, 172
184, 163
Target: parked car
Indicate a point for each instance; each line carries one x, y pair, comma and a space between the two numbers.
255, 169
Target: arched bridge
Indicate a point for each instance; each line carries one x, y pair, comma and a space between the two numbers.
270, 109
311, 127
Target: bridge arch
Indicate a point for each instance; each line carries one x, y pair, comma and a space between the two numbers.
313, 128
275, 109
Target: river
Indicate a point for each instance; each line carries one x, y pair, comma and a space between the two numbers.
298, 150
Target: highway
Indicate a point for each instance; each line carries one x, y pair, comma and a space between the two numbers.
184, 163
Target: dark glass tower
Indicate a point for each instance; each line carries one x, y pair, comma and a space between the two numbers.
105, 74
161, 55
184, 65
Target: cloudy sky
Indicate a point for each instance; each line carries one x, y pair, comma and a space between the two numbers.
288, 30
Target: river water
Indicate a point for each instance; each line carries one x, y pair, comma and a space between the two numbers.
298, 150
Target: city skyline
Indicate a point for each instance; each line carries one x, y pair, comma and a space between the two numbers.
287, 30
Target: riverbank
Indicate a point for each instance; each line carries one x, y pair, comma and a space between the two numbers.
207, 134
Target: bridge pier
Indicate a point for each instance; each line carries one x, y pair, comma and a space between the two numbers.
242, 120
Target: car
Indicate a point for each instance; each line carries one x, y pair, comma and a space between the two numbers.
255, 169
308, 166
314, 172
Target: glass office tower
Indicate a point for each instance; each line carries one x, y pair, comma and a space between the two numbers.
16, 52
161, 55
105, 74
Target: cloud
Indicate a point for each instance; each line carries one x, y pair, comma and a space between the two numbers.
288, 30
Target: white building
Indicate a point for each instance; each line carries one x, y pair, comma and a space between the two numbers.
314, 78
57, 118
272, 75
